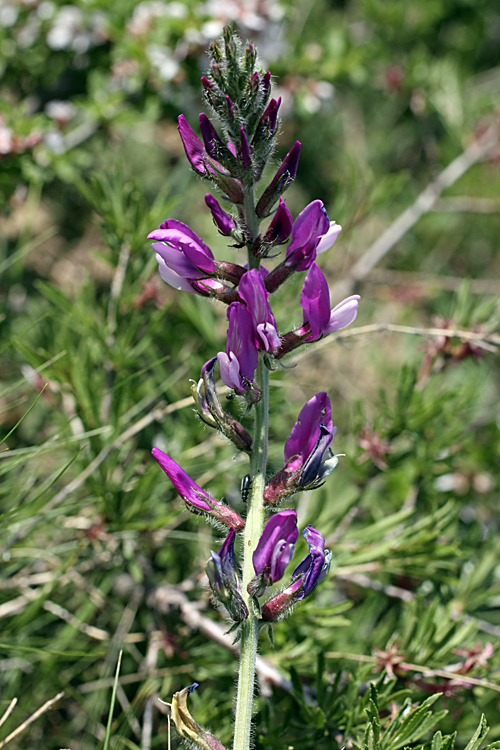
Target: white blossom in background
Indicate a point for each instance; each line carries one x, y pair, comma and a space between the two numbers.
71, 29
147, 12
162, 61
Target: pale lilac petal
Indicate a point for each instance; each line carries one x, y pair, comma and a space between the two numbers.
171, 277
343, 314
329, 238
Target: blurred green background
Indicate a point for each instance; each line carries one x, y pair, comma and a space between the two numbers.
96, 354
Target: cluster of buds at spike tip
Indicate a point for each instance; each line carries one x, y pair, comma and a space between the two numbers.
210, 409
305, 578
197, 500
308, 456
239, 94
223, 573
186, 726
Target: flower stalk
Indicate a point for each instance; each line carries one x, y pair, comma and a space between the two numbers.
251, 535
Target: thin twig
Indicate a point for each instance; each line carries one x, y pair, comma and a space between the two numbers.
467, 204
452, 676
166, 597
426, 201
488, 341
43, 709
8, 712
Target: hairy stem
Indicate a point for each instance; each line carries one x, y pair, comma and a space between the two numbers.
252, 533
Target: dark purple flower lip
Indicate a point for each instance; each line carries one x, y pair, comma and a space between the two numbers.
274, 550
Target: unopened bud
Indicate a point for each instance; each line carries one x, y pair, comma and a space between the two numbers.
280, 182
215, 52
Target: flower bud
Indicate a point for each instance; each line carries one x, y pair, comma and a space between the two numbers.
280, 228
197, 500
280, 182
211, 411
210, 136
222, 575
222, 220
245, 154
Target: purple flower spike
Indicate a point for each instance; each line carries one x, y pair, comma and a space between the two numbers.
274, 550
308, 457
319, 320
308, 229
280, 228
315, 566
239, 362
223, 221
253, 292
197, 500
181, 254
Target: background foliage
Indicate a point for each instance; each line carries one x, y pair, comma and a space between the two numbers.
96, 356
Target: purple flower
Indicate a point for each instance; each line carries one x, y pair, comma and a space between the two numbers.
181, 255
223, 221
197, 500
222, 575
312, 232
319, 320
308, 229
306, 577
315, 566
274, 550
308, 457
253, 292
239, 362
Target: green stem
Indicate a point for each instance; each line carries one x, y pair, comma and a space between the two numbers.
251, 535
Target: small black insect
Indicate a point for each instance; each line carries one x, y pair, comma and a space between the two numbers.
246, 483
